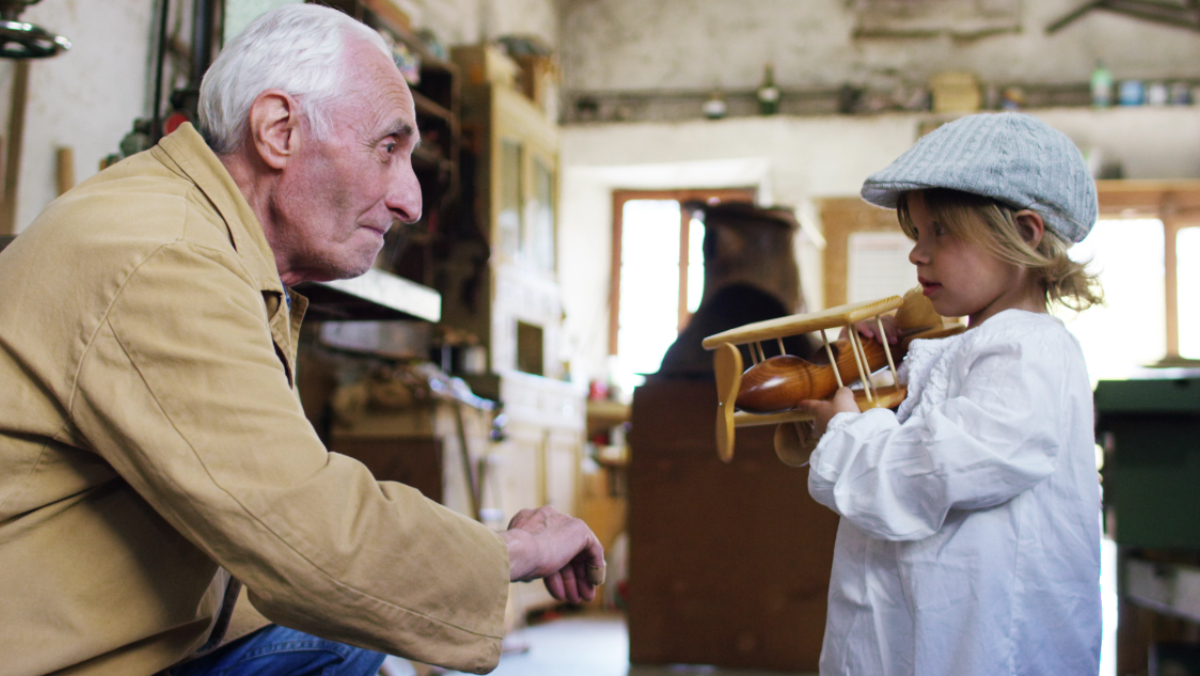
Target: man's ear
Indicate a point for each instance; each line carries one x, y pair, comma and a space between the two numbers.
1031, 227
274, 127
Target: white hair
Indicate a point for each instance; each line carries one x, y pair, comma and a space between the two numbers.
298, 48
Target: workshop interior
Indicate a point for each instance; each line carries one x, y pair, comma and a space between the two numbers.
624, 203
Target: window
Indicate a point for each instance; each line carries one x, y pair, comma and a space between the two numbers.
1129, 331
657, 274
1146, 249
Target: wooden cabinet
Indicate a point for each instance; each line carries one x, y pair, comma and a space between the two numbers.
504, 287
499, 281
536, 459
729, 563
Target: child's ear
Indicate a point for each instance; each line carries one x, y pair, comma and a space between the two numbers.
1031, 227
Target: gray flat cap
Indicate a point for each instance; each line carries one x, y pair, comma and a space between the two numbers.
1013, 158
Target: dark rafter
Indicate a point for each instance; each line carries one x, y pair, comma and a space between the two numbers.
1186, 15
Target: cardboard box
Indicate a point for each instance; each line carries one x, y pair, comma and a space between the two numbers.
484, 64
729, 563
955, 92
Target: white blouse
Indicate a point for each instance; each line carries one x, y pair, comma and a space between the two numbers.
970, 534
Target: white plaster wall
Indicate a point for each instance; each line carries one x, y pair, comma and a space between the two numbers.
465, 22
85, 98
688, 44
794, 160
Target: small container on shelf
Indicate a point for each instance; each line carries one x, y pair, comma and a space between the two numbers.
1157, 94
1131, 93
1181, 94
715, 107
955, 92
1012, 98
767, 93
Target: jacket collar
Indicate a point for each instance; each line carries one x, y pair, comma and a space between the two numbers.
186, 148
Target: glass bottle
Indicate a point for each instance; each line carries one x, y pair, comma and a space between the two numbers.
767, 93
1102, 86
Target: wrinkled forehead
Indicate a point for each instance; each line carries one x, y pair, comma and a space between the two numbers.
375, 96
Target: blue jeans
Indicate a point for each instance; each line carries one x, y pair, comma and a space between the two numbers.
278, 651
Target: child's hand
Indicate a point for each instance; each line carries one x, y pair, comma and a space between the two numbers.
867, 328
824, 410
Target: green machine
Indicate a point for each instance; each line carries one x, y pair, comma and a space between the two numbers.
1150, 429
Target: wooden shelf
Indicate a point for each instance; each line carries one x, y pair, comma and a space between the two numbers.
377, 295
427, 106
602, 415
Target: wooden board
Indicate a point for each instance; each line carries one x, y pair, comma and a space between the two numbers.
840, 218
885, 397
729, 563
834, 317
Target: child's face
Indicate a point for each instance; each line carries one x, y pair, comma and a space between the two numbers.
961, 278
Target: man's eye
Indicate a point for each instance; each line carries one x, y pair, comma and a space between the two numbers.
390, 148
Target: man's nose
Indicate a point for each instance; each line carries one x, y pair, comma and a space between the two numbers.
404, 195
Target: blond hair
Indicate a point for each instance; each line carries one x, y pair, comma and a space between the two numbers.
993, 225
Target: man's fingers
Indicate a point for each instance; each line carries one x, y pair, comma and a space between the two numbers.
595, 575
570, 582
554, 585
587, 590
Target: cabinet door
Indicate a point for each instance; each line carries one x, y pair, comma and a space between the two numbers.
512, 199
525, 220
525, 154
541, 242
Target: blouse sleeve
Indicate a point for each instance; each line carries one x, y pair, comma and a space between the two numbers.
992, 439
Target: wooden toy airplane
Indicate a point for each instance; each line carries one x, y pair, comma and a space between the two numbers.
767, 392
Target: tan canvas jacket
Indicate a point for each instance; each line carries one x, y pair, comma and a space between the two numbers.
151, 440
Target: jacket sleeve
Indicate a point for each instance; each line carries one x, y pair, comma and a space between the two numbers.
993, 439
182, 392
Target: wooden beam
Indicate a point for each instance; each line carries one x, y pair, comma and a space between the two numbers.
12, 161
1144, 198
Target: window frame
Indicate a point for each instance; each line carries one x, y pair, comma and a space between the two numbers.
1176, 203
619, 198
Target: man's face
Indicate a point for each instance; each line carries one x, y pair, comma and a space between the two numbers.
341, 193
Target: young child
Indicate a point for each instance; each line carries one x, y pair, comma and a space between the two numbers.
969, 542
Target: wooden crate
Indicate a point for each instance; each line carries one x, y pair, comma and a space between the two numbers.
729, 564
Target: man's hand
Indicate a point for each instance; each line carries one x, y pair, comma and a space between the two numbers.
824, 410
562, 550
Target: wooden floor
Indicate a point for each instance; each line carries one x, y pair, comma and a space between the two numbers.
597, 644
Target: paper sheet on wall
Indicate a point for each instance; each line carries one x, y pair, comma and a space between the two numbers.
877, 266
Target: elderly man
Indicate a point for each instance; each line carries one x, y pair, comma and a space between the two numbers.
154, 458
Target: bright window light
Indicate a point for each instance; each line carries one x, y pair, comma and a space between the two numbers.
695, 264
649, 305
1187, 259
1129, 331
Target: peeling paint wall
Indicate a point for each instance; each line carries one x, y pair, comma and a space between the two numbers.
85, 98
465, 22
694, 44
